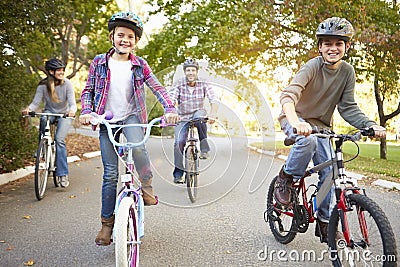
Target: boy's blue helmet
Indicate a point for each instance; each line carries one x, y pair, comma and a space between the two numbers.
126, 19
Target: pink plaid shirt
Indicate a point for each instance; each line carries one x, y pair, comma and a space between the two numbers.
94, 95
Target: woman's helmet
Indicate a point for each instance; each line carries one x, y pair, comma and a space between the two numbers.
335, 27
126, 19
190, 63
54, 64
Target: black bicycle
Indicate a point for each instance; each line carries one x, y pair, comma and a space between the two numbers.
368, 238
192, 159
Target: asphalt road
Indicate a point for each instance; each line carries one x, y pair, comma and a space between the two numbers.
225, 227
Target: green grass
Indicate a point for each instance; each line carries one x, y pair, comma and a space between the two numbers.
367, 162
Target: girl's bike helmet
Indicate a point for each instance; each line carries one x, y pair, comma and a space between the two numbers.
126, 19
190, 63
54, 64
335, 28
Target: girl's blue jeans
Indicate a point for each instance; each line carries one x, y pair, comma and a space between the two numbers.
302, 152
61, 133
110, 162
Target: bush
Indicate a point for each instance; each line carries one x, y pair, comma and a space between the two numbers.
17, 143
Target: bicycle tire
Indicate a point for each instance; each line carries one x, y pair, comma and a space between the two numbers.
126, 234
41, 169
366, 223
191, 167
281, 225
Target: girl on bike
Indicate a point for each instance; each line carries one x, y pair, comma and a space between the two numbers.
322, 84
58, 96
116, 83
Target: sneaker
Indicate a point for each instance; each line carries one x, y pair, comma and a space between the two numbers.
63, 180
179, 180
204, 155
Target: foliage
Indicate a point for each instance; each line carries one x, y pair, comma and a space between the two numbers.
32, 32
16, 141
259, 36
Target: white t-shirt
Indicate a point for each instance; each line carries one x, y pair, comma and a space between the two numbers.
120, 99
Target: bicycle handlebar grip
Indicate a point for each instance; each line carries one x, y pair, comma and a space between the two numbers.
314, 130
368, 132
32, 113
108, 115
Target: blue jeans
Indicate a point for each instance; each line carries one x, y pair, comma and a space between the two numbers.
300, 155
110, 162
181, 133
61, 133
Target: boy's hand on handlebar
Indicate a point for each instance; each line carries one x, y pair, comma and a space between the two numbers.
171, 118
303, 128
85, 119
380, 132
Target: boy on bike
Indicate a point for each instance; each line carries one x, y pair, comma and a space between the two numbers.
58, 96
190, 93
322, 84
116, 83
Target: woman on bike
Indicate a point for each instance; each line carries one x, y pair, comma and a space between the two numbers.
58, 96
322, 84
116, 83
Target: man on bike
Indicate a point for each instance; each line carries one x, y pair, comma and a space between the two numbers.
322, 84
190, 93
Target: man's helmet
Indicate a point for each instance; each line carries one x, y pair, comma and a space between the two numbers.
54, 64
126, 19
190, 63
335, 27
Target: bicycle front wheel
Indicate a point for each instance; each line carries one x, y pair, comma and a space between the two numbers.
41, 168
126, 234
280, 220
191, 166
372, 241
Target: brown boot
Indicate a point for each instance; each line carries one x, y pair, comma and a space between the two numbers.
321, 231
148, 194
282, 190
103, 238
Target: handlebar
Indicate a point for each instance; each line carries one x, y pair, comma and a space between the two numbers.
34, 114
327, 133
103, 119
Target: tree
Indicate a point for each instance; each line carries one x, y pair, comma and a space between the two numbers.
32, 32
241, 34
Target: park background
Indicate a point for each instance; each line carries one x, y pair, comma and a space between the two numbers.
248, 49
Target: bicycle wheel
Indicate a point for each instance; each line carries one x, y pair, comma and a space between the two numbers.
41, 169
372, 241
126, 234
280, 221
191, 168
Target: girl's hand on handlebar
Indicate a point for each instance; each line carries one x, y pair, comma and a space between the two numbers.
303, 128
71, 114
85, 119
26, 111
171, 118
380, 132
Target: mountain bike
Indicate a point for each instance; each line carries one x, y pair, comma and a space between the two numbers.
192, 159
368, 237
45, 154
129, 207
